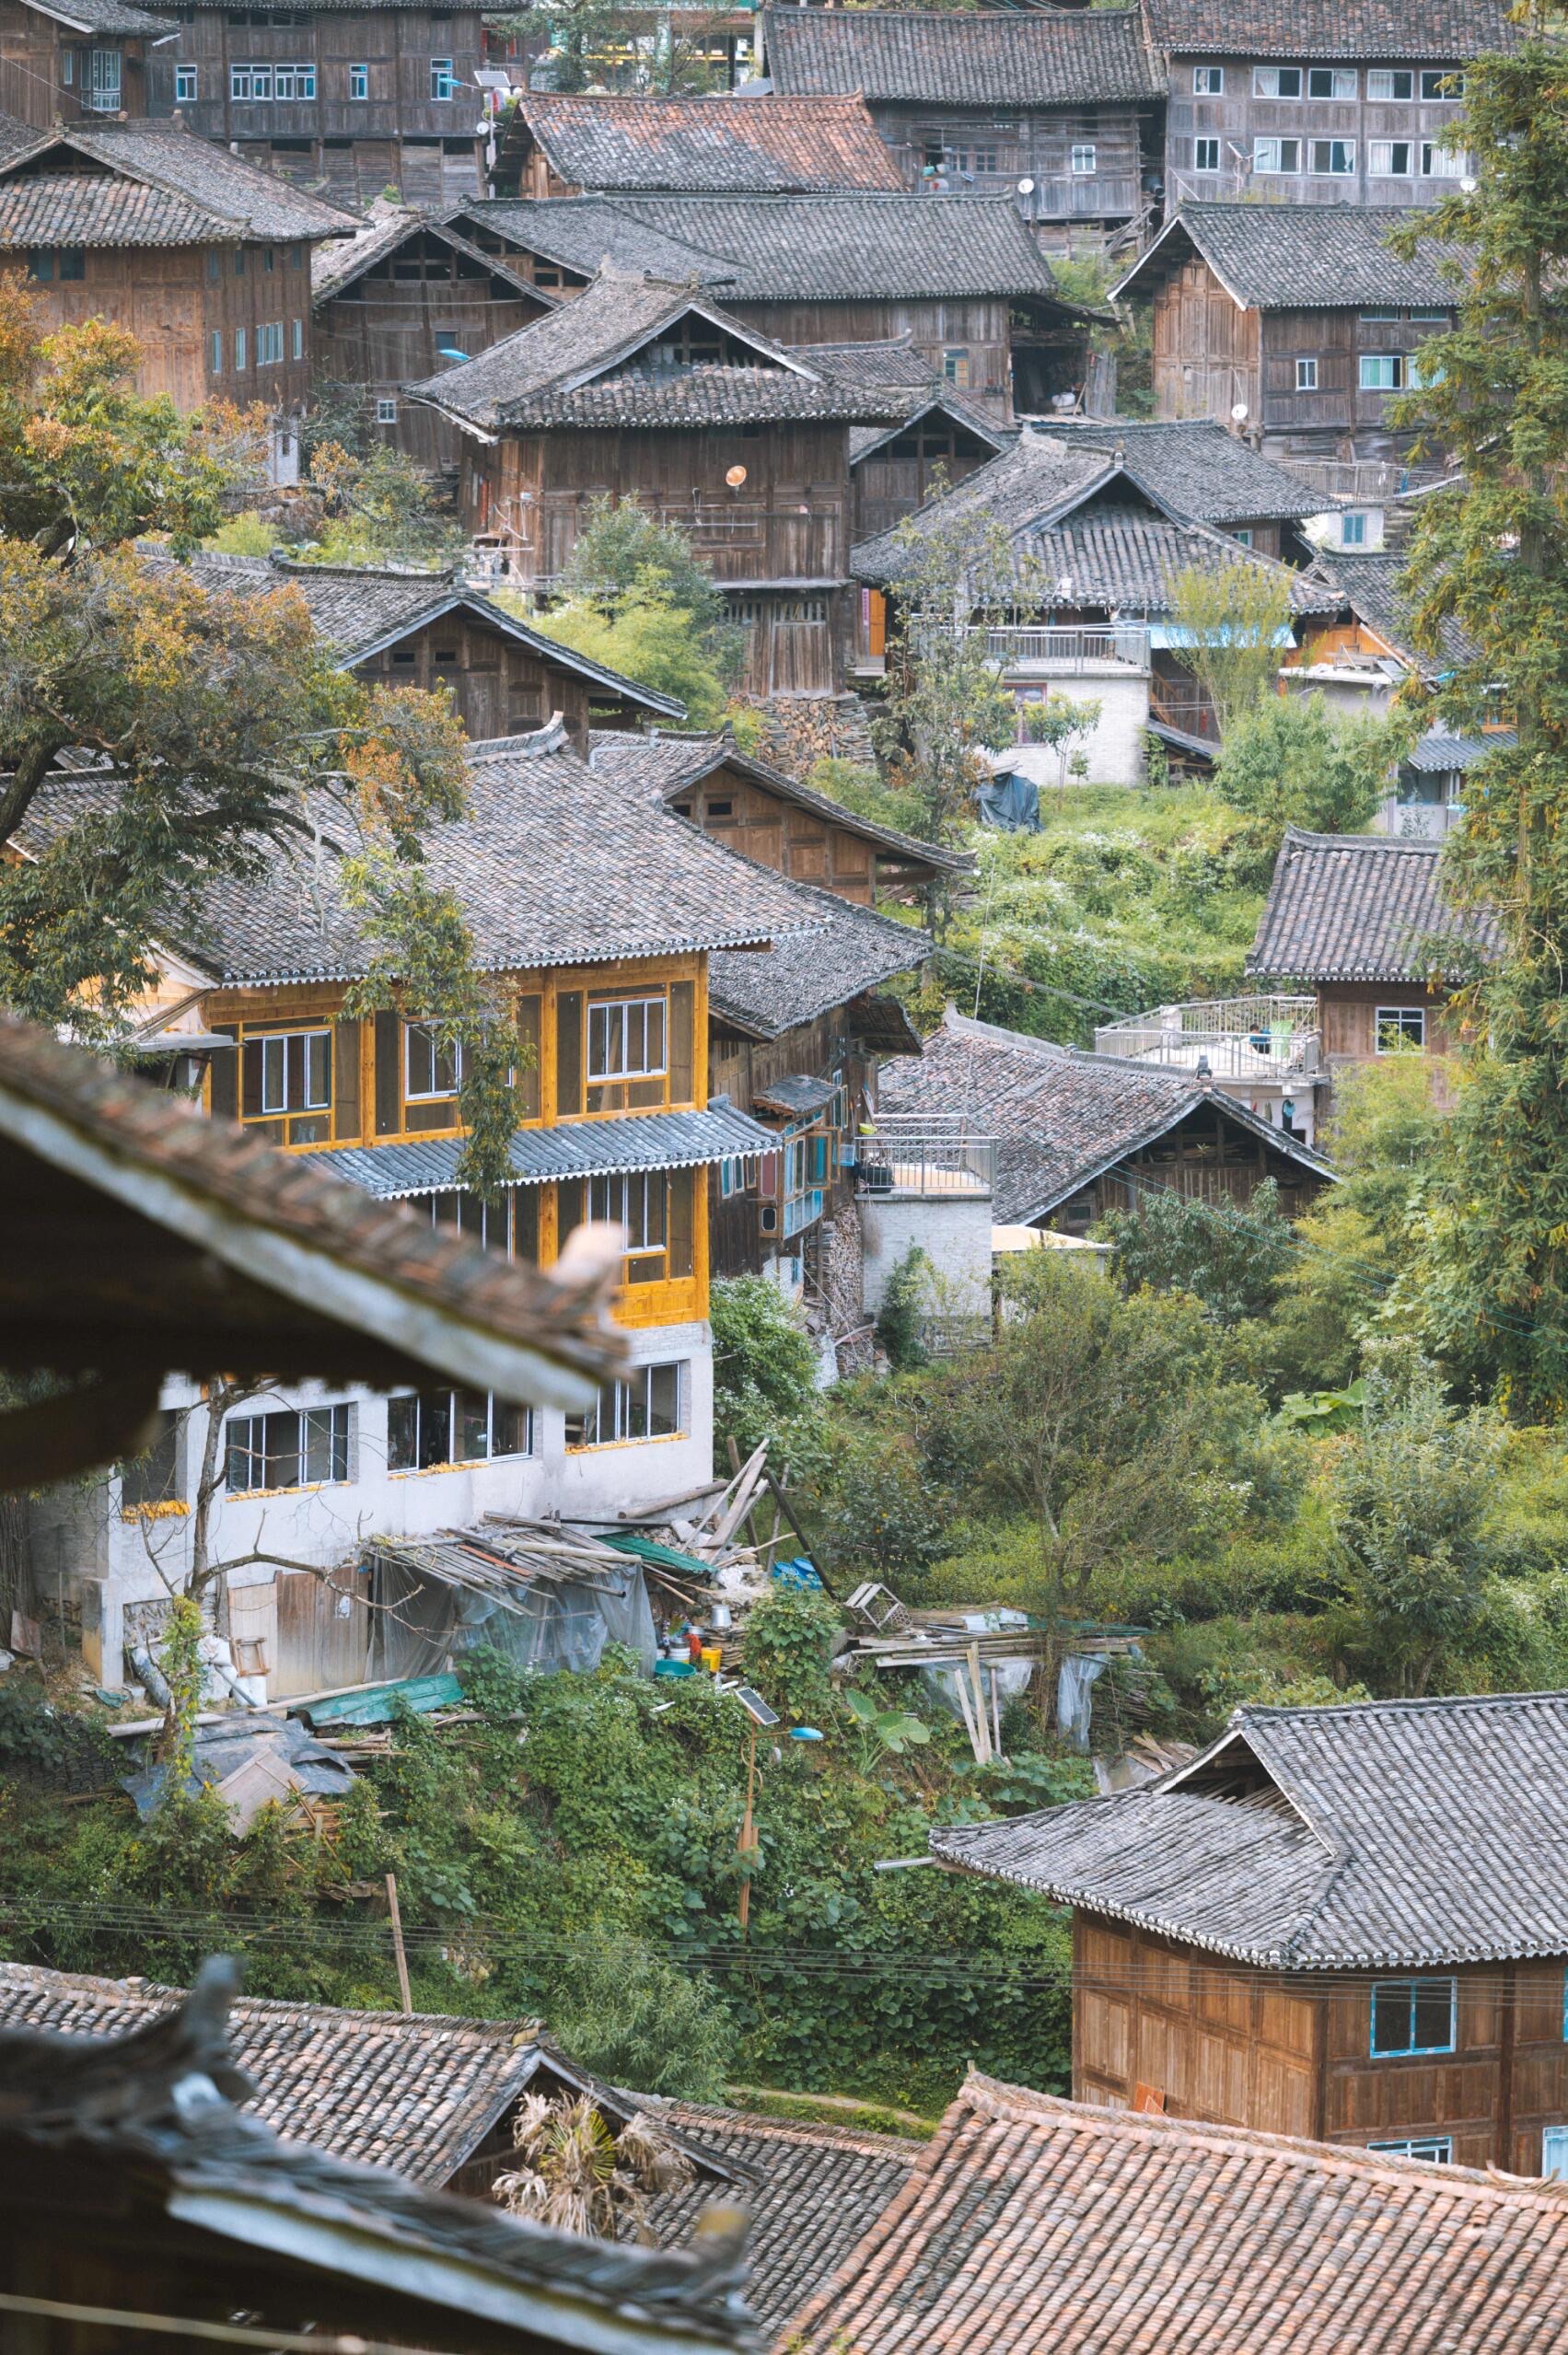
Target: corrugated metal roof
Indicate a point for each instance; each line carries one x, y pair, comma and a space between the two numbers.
577, 1149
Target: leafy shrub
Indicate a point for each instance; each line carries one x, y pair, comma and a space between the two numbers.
789, 1643
637, 2019
900, 1318
764, 1373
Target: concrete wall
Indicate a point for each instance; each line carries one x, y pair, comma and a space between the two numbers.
1115, 748
954, 1234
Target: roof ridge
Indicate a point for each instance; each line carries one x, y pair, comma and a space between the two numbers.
1304, 840
1249, 1712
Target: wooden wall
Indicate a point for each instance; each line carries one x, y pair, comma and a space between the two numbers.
498, 687
778, 834
978, 329
895, 481
989, 150
1347, 1017
1205, 1158
739, 1066
1206, 348
38, 53
1236, 117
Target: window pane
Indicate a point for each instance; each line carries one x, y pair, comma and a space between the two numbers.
653, 1035
664, 1400
634, 1405
1391, 2016
153, 1477
402, 1434
510, 1432
1435, 2016
472, 1426
318, 1457
274, 1075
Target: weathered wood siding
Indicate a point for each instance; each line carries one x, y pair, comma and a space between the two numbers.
970, 342
47, 70
497, 686
1204, 1158
986, 152
1206, 348
778, 834
1347, 1017
1237, 116
896, 481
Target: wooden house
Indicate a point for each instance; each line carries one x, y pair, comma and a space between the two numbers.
395, 628
962, 277
1109, 2229
558, 145
1053, 108
1274, 1937
133, 2184
1297, 317
409, 295
205, 260
1361, 920
939, 436
355, 101
1324, 104
76, 62
642, 389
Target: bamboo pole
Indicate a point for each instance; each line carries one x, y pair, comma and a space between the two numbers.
403, 1987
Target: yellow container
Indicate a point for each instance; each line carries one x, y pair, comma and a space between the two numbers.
711, 1657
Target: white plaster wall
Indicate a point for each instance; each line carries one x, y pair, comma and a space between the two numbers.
1115, 749
954, 1234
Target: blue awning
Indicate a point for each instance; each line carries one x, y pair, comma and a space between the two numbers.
1169, 637
576, 1149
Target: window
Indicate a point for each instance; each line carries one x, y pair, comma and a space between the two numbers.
1208, 81
1441, 84
250, 82
1333, 158
240, 261
269, 344
1388, 82
1438, 2150
1083, 159
734, 1178
215, 342
359, 82
1429, 318
298, 1449
1422, 374
386, 411
239, 348
956, 364
1392, 159
1276, 156
1412, 2014
1353, 531
285, 1080
455, 1427
185, 86
1277, 81
1307, 376
1243, 538
101, 93
638, 1200
646, 1404
297, 340
509, 1226
1382, 371
1205, 154
1443, 163
433, 1064
442, 85
1331, 81
294, 81
153, 1477
41, 264
1399, 1028
626, 1040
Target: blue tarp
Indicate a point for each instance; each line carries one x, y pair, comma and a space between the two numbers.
1010, 801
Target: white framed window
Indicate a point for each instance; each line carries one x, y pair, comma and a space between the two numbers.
1438, 2150
1398, 1028
215, 344
1331, 81
1307, 376
442, 84
251, 81
1422, 374
1382, 371
284, 1071
185, 86
269, 344
1243, 538
627, 1039
295, 82
648, 1404
1353, 531
1443, 84
1208, 81
1391, 83
300, 1447
297, 339
1333, 158
1443, 163
1083, 159
1205, 154
1392, 159
386, 410
238, 349
455, 1427
639, 1201
359, 82
102, 87
433, 1064
1554, 2152
1277, 81
1412, 2015
1272, 157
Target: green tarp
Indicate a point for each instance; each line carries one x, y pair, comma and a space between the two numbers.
647, 1550
377, 1704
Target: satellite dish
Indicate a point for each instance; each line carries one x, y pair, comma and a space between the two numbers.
1239, 412
1026, 188
736, 477
1469, 184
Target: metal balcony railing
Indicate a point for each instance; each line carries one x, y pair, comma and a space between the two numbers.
925, 1153
1265, 1037
1070, 648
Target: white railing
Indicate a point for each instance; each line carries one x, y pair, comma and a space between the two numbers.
1253, 1037
926, 1154
1074, 647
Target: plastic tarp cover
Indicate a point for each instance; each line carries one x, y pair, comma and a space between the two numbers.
564, 1625
411, 1623
1010, 801
1012, 1679
1075, 1697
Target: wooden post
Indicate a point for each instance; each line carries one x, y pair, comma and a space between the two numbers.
747, 1829
984, 1746
398, 1941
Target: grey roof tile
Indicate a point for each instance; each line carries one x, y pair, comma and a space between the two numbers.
1435, 754
1433, 32
104, 16
1192, 467
1357, 908
1059, 1116
167, 156
83, 209
335, 267
812, 973
169, 188
1046, 57
1300, 257
730, 142
572, 1149
580, 233
1371, 587
1395, 1834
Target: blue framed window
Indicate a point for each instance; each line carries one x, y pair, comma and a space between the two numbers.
1438, 2150
1554, 2152
1414, 2015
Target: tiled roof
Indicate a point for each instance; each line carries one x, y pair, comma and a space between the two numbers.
335, 267
357, 610
103, 16
582, 232
1435, 754
574, 1149
1059, 1118
841, 247
1039, 475
816, 2189
1371, 588
1037, 2227
548, 865
167, 156
1431, 30
80, 208
1126, 556
1299, 257
167, 188
579, 366
297, 1245
663, 767
1388, 1834
1357, 908
891, 363
767, 145
811, 974
1052, 57
1192, 467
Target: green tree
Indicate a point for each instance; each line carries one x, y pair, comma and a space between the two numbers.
1231, 617
635, 595
765, 1373
1491, 554
1229, 1257
649, 638
623, 555
1290, 761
